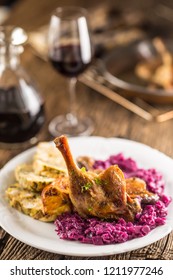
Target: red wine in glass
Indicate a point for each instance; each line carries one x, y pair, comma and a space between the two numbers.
67, 60
70, 52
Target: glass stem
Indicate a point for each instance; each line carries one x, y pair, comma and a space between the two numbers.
71, 116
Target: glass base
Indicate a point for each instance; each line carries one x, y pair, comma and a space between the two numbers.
60, 125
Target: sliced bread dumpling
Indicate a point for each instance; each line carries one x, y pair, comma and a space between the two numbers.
27, 178
48, 161
27, 202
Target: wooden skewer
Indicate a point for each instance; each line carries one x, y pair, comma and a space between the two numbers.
88, 81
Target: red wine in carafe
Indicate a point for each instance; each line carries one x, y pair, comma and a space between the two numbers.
21, 114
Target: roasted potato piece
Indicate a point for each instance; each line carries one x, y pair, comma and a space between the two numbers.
136, 187
55, 197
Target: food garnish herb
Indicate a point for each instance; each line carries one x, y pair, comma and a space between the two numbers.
86, 187
83, 169
98, 181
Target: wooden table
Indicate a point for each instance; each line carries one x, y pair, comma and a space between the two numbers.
111, 120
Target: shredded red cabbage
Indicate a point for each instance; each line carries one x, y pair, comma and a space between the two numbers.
97, 232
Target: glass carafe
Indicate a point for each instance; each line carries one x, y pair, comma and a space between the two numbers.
21, 106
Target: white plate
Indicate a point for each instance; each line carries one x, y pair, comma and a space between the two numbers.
43, 236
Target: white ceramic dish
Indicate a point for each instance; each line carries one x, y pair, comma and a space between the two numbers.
43, 236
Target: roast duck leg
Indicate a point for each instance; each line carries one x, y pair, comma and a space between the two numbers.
100, 195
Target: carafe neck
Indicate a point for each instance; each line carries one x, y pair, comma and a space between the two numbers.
9, 57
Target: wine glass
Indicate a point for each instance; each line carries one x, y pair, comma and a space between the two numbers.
70, 51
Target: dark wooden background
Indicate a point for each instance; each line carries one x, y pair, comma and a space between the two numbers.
111, 120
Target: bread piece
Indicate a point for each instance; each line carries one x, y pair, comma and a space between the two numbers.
27, 179
28, 202
48, 161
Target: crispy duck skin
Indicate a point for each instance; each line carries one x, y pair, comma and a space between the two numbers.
100, 195
136, 187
